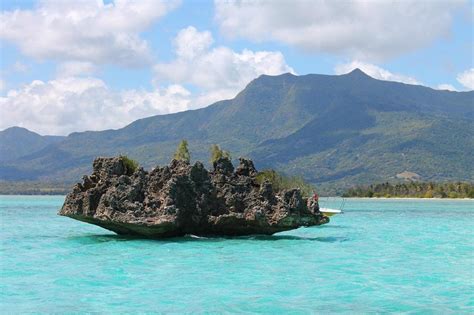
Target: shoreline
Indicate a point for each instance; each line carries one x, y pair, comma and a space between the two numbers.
321, 197
32, 195
403, 198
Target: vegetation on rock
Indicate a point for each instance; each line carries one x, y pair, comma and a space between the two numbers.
280, 182
217, 153
130, 165
414, 189
182, 152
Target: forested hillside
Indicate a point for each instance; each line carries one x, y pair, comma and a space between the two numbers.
334, 130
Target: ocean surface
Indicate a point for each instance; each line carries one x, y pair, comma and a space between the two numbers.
405, 256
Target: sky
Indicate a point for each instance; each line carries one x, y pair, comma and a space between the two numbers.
69, 66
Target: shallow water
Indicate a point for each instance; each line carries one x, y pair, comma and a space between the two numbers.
414, 256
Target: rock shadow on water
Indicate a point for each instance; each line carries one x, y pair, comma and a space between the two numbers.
106, 238
325, 239
102, 238
343, 227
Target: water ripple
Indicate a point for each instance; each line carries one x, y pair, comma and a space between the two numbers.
379, 257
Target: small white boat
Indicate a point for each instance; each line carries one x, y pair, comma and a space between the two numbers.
329, 212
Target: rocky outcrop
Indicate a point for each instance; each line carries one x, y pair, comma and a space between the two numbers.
182, 199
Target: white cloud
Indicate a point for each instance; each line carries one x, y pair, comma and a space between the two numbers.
65, 105
71, 103
219, 72
447, 87
359, 29
75, 68
19, 67
190, 43
2, 85
85, 30
374, 71
466, 78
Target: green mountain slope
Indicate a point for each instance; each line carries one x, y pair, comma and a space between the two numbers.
334, 130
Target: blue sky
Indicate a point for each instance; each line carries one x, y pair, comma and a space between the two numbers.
87, 65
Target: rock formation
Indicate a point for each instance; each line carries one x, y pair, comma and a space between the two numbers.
182, 199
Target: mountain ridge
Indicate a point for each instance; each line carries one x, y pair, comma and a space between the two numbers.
293, 123
18, 141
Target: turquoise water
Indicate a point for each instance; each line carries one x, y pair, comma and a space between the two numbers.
380, 256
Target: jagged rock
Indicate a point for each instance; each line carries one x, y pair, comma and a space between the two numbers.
223, 166
182, 199
246, 168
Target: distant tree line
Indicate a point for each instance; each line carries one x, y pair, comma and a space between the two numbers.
34, 188
414, 189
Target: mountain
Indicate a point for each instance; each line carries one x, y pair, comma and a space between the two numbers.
16, 142
335, 130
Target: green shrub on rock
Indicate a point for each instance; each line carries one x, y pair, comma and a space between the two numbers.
182, 152
217, 153
280, 182
130, 165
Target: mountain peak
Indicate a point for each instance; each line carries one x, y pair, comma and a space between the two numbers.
17, 130
358, 73
276, 76
287, 122
16, 142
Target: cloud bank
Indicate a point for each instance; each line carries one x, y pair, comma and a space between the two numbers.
65, 105
75, 101
219, 72
466, 78
85, 30
360, 29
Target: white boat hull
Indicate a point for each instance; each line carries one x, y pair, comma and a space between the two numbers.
329, 212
